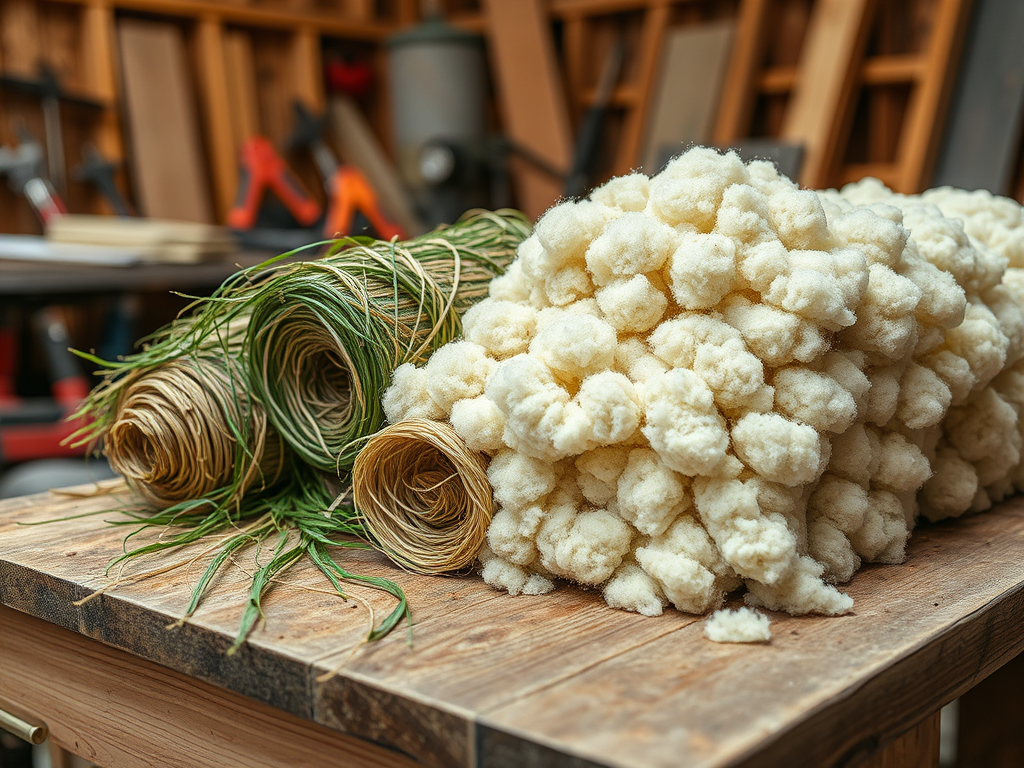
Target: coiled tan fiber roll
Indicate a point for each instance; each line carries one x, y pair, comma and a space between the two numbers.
424, 496
176, 432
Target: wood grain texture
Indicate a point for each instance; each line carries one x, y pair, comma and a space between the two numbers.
820, 107
561, 680
116, 709
926, 111
167, 155
917, 748
530, 96
991, 721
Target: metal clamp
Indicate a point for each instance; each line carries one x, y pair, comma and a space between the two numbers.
25, 728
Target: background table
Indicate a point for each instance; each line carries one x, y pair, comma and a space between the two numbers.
489, 679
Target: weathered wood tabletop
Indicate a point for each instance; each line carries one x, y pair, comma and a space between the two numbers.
490, 679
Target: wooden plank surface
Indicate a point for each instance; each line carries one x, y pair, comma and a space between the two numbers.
918, 748
530, 96
561, 680
166, 153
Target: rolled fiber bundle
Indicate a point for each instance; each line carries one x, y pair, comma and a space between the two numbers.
187, 430
324, 336
423, 496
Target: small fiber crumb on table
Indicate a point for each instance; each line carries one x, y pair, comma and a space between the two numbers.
743, 625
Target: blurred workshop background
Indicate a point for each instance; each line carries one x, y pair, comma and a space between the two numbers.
150, 146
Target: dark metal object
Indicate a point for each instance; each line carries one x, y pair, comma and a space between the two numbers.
48, 89
22, 165
98, 171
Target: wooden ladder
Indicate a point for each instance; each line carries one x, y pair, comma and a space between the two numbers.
823, 88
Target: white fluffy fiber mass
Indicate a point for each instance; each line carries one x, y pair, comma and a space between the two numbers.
712, 379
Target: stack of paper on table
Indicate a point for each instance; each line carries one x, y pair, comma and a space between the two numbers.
153, 240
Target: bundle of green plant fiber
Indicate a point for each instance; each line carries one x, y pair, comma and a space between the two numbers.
324, 336
308, 347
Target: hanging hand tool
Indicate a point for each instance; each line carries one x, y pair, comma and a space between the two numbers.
99, 172
262, 169
48, 89
23, 166
349, 194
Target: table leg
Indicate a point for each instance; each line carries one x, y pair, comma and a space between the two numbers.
918, 748
991, 730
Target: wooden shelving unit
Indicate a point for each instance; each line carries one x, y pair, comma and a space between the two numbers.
249, 59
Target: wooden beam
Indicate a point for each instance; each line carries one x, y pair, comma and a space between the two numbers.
736, 105
917, 748
652, 35
216, 99
307, 69
530, 96
920, 136
280, 18
991, 720
241, 75
99, 64
819, 111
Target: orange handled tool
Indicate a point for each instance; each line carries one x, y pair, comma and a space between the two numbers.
262, 169
351, 194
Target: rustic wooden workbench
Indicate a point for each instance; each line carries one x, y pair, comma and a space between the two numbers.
489, 679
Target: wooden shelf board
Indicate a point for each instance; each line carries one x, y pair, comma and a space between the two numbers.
277, 18
576, 8
878, 70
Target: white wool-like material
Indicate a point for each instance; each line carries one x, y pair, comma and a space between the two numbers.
743, 625
711, 380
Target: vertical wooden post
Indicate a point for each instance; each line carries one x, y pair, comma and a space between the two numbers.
530, 95
918, 748
213, 90
991, 720
20, 37
307, 69
99, 53
651, 38
574, 43
819, 111
241, 76
739, 91
920, 138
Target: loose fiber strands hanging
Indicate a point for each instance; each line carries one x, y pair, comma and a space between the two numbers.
423, 496
177, 432
324, 336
